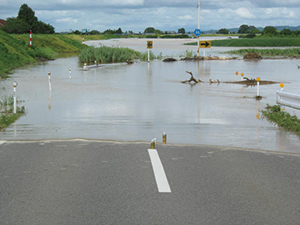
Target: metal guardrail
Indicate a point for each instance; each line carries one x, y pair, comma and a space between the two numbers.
288, 99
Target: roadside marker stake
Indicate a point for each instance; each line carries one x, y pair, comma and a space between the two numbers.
164, 137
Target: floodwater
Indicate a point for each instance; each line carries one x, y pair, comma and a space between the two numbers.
139, 102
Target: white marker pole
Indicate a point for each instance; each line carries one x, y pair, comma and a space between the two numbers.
15, 84
198, 51
148, 55
258, 79
49, 79
70, 72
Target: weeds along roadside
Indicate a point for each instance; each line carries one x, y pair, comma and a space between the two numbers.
7, 115
275, 115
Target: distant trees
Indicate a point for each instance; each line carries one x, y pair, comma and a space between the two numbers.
223, 31
181, 31
269, 30
26, 21
245, 29
109, 31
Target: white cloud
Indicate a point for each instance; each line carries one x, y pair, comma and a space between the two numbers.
186, 17
244, 13
136, 15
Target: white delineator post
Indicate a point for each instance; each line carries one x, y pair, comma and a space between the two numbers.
15, 84
49, 79
70, 73
257, 79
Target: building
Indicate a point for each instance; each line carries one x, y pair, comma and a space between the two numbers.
2, 22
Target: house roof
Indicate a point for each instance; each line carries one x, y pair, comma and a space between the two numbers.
2, 22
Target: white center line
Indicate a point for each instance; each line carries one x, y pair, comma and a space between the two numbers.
2, 142
159, 172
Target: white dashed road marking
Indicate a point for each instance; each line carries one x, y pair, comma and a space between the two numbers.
159, 172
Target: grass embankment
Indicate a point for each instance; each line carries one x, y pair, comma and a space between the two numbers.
261, 42
255, 42
15, 51
7, 116
292, 52
258, 42
282, 119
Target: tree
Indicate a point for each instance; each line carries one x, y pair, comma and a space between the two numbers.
286, 32
16, 26
149, 30
27, 14
158, 31
223, 31
243, 29
181, 31
119, 31
269, 30
253, 30
25, 22
94, 32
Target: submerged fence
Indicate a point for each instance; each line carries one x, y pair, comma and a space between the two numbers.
288, 99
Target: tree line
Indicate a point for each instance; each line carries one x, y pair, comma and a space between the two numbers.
26, 21
251, 31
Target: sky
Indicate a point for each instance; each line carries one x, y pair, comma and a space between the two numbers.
165, 15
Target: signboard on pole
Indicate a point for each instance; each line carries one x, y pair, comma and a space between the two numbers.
197, 32
149, 44
205, 44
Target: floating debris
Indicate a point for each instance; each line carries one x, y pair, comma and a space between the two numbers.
253, 55
169, 60
192, 80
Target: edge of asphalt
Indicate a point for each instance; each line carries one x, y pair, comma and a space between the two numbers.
219, 147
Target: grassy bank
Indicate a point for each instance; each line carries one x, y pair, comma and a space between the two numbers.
256, 42
15, 51
282, 119
292, 52
7, 116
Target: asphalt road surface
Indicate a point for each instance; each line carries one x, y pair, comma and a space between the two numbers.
83, 182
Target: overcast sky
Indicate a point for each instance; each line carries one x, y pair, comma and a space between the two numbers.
165, 15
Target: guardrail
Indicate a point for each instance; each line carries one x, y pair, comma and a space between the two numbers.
288, 99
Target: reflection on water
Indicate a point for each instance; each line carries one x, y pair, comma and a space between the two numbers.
143, 100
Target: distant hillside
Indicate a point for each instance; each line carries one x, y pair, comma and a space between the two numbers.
280, 28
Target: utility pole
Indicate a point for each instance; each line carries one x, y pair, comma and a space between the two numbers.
198, 28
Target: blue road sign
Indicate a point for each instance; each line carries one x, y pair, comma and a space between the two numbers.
197, 32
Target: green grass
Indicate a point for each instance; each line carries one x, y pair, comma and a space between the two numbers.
106, 54
256, 42
283, 119
292, 52
15, 51
7, 117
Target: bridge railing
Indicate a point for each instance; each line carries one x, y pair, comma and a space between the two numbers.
288, 99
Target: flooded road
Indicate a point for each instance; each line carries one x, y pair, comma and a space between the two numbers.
139, 102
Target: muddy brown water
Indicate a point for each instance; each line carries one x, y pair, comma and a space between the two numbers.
139, 102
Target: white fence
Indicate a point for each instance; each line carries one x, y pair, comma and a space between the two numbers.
288, 99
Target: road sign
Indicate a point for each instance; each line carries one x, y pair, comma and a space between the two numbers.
197, 32
205, 44
149, 44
